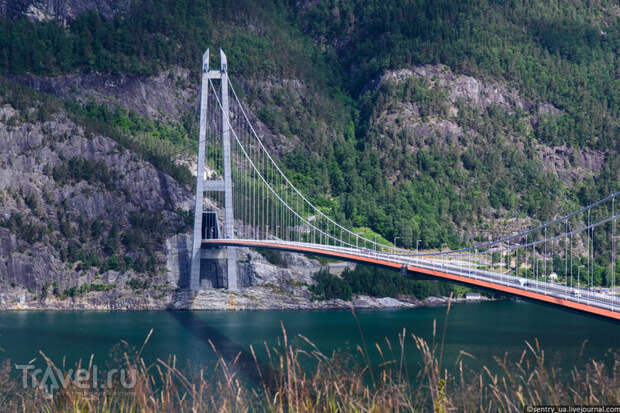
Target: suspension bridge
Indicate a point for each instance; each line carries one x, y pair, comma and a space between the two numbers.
244, 199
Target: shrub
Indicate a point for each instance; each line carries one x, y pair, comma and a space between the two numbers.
272, 256
377, 282
137, 284
329, 286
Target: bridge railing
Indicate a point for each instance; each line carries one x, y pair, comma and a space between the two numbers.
574, 251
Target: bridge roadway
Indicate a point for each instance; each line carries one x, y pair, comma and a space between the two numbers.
579, 299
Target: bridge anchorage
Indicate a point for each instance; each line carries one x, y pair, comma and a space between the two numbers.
244, 199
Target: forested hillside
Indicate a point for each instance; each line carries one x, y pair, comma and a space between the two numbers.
558, 53
404, 155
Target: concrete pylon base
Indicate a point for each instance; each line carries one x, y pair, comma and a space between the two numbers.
218, 268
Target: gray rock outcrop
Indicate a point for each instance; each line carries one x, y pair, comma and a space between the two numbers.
61, 10
72, 204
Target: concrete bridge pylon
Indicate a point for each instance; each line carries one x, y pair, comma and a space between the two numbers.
204, 184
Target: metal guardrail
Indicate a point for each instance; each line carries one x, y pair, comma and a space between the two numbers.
573, 294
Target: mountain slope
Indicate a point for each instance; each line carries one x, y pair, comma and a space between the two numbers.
79, 211
443, 121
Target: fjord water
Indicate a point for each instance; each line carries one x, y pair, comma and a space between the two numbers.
483, 330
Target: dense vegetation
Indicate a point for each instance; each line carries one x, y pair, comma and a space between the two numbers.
147, 39
565, 54
153, 141
327, 287
375, 282
562, 54
78, 169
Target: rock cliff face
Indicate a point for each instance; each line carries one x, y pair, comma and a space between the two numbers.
459, 93
61, 10
470, 124
167, 96
477, 92
172, 97
78, 213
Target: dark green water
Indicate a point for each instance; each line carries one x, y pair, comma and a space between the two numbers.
482, 329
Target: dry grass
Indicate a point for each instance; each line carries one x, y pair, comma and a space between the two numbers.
300, 378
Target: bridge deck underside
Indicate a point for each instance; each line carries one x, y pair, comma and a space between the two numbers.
383, 262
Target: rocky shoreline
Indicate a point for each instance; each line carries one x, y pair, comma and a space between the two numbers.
252, 298
281, 285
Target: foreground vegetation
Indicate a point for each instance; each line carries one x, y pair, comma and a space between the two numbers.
300, 378
376, 282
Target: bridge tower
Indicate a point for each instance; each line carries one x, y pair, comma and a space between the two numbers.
216, 185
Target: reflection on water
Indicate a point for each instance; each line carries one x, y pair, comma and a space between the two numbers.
482, 329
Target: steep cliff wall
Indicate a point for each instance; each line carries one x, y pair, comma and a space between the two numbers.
61, 10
